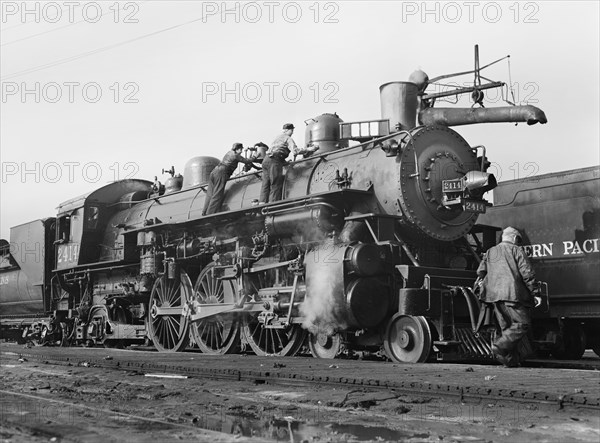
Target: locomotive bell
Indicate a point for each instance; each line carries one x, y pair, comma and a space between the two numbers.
173, 184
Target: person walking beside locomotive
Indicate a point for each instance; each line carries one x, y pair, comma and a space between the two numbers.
215, 194
509, 285
272, 177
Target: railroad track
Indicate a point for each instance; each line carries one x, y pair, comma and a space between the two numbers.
546, 389
590, 362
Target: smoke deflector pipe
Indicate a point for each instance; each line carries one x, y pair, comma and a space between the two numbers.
469, 116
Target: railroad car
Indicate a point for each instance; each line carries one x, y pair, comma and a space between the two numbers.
559, 216
367, 250
25, 271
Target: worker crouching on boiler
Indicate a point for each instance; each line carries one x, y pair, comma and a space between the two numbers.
215, 194
509, 287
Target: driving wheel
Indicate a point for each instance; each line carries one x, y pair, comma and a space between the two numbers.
166, 324
219, 334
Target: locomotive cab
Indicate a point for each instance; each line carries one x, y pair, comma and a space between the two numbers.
68, 238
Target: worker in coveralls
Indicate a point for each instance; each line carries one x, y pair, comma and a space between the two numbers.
272, 165
215, 193
509, 286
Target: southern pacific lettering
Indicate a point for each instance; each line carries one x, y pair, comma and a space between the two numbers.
569, 247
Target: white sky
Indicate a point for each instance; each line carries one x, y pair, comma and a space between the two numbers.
337, 64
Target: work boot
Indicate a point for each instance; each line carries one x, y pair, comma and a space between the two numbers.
506, 358
500, 355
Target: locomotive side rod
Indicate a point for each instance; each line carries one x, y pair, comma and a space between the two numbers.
199, 311
255, 269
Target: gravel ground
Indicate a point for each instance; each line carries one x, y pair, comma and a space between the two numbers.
45, 402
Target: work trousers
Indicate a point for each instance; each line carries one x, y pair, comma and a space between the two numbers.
215, 193
514, 320
272, 179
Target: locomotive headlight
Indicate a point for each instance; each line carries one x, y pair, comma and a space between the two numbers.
467, 192
477, 183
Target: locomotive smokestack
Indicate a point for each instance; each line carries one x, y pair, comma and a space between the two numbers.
399, 102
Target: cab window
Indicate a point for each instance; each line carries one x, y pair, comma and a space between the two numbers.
64, 229
92, 217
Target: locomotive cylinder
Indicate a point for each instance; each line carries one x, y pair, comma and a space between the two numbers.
399, 103
365, 259
367, 302
334, 297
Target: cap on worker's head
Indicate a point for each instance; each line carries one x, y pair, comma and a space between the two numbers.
512, 235
260, 145
237, 146
288, 126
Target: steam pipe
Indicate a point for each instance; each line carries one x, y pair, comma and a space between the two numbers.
469, 116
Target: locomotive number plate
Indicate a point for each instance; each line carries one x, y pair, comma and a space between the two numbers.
453, 185
67, 255
474, 206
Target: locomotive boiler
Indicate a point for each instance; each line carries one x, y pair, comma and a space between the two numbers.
368, 250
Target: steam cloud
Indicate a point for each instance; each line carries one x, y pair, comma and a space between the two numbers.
323, 308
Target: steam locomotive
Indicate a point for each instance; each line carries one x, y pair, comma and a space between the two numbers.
373, 247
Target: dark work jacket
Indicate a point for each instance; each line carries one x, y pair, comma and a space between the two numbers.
231, 160
509, 275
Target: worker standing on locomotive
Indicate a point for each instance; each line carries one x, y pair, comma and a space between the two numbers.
215, 193
509, 286
272, 177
